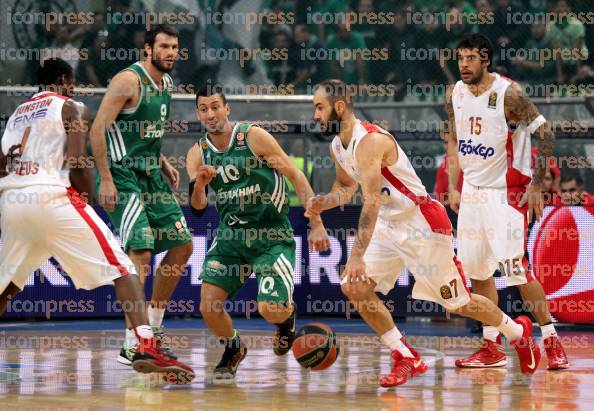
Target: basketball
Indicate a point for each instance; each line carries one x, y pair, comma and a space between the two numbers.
315, 347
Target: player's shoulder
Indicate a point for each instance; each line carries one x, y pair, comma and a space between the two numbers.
74, 108
124, 79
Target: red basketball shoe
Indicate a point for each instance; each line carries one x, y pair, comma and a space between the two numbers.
491, 354
528, 351
403, 369
149, 358
555, 353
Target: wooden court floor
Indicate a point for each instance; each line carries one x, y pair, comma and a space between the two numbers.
77, 370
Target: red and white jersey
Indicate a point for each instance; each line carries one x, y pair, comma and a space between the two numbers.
37, 126
399, 181
490, 154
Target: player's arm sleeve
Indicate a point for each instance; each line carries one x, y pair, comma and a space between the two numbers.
198, 212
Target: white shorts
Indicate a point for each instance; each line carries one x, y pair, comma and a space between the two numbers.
492, 233
420, 240
38, 222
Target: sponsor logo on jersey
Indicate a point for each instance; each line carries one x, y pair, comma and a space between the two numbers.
466, 147
492, 100
27, 118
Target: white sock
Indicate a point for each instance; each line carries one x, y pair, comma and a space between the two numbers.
548, 331
393, 339
144, 331
511, 329
155, 315
130, 339
490, 333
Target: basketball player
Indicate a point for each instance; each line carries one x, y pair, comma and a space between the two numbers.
132, 190
45, 167
246, 167
400, 225
491, 123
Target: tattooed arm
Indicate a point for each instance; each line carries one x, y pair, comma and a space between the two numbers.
519, 109
452, 152
370, 153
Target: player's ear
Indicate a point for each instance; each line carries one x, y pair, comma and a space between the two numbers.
148, 51
340, 107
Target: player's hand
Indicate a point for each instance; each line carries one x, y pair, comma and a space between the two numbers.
205, 175
454, 199
354, 271
108, 195
172, 175
533, 197
317, 238
315, 206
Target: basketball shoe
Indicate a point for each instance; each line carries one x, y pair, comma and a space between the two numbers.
285, 334
235, 352
149, 358
555, 353
403, 369
528, 351
491, 354
127, 352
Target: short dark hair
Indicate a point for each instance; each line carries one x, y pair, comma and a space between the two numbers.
151, 35
479, 42
51, 70
209, 90
573, 176
337, 90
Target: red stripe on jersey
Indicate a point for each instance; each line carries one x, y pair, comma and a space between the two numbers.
370, 128
434, 212
45, 95
80, 204
461, 272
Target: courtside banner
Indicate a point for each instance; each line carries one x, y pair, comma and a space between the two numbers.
561, 249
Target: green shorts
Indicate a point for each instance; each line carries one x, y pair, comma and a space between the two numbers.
147, 215
232, 259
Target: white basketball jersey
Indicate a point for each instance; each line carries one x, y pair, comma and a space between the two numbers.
490, 154
37, 126
400, 183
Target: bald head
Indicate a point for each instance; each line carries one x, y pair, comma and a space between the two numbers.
335, 90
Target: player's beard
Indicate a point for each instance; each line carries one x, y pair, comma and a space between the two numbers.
332, 125
160, 66
475, 80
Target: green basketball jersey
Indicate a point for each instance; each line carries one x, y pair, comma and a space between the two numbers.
248, 191
134, 141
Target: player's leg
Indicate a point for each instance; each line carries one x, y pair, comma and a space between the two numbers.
274, 265
7, 295
223, 275
511, 255
476, 256
171, 234
87, 250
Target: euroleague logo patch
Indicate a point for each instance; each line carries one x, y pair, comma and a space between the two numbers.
466, 147
445, 292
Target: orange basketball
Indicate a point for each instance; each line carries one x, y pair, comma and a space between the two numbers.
315, 347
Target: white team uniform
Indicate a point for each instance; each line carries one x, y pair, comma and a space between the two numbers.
412, 230
496, 163
41, 215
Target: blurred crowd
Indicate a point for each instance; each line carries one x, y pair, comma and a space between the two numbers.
404, 44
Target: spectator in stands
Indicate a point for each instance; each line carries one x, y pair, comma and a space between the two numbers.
63, 48
91, 72
119, 32
307, 9
527, 65
355, 67
310, 70
550, 194
572, 192
567, 33
432, 38
282, 71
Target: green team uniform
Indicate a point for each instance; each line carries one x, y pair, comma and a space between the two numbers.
147, 215
254, 233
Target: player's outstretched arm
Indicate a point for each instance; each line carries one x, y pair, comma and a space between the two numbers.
266, 146
75, 117
200, 175
452, 152
343, 189
122, 88
520, 109
369, 156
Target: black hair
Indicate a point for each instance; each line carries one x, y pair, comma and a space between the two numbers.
479, 42
574, 176
51, 70
151, 35
337, 90
208, 91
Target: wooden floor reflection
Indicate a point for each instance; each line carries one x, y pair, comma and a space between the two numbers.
78, 370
